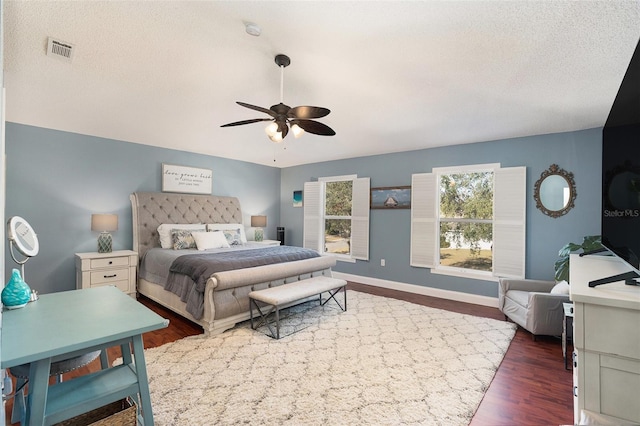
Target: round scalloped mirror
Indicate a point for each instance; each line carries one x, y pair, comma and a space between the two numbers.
555, 191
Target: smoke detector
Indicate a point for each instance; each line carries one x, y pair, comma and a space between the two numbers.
252, 29
60, 49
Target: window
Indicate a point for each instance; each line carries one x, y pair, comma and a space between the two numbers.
336, 216
466, 220
470, 221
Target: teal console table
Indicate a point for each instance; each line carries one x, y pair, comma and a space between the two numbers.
62, 325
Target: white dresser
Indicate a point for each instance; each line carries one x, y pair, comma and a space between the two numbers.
117, 268
606, 323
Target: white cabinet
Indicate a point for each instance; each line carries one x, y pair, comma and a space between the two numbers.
606, 340
117, 268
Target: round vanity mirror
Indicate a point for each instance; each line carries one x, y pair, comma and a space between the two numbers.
22, 236
555, 191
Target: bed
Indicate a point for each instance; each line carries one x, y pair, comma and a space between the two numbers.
225, 300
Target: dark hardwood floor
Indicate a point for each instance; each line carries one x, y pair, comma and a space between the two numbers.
531, 387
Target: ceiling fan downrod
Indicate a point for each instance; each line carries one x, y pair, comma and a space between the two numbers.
282, 61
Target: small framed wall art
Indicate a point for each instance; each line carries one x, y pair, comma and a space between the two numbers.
186, 179
297, 198
391, 197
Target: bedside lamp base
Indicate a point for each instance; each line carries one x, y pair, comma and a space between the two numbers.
105, 243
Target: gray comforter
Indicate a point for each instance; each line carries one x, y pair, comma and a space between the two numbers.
201, 266
198, 267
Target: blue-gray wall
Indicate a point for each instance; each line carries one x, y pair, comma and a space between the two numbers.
56, 180
578, 152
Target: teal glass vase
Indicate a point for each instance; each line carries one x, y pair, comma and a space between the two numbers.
16, 293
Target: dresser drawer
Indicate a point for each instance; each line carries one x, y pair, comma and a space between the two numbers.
611, 330
107, 262
109, 276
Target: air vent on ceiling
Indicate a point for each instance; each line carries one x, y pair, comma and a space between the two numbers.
60, 49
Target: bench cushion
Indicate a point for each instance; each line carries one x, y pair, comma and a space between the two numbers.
291, 292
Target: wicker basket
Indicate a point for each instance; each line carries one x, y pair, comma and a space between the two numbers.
118, 413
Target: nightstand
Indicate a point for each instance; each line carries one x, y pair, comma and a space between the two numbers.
268, 242
117, 268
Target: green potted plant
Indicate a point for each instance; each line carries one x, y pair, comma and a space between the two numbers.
589, 243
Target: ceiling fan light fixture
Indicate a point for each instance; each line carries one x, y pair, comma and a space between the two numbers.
297, 131
277, 137
271, 129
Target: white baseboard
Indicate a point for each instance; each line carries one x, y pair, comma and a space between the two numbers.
418, 289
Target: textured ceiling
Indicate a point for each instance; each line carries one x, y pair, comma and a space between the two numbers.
397, 76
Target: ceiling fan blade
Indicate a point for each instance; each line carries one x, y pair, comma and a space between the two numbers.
305, 112
314, 127
257, 108
240, 123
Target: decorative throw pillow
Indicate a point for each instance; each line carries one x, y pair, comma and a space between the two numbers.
560, 288
183, 238
234, 237
210, 240
164, 232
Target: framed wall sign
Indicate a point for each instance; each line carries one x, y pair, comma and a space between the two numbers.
391, 197
186, 179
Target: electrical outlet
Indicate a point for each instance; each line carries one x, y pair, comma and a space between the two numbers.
382, 262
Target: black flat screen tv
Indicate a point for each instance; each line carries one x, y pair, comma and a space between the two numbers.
621, 172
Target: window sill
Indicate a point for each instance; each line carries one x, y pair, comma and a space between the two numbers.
341, 257
484, 276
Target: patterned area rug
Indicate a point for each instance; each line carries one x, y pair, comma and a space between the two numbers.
383, 362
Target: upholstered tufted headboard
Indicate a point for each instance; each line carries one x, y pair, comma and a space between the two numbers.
151, 209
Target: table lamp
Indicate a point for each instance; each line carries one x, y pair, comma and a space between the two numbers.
104, 223
258, 222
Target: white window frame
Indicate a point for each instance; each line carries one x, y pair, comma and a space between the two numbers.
314, 217
509, 222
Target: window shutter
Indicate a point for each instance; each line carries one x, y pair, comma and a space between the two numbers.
312, 227
509, 226
360, 219
424, 235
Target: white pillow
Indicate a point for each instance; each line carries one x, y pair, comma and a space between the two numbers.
560, 288
164, 232
210, 240
227, 226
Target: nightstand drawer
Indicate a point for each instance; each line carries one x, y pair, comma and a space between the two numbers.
109, 276
122, 285
109, 262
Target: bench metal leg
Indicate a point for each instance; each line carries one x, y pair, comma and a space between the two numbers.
332, 296
264, 318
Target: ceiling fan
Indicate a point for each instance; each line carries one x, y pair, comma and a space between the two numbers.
283, 117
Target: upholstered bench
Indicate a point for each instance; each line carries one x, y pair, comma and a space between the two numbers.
284, 295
